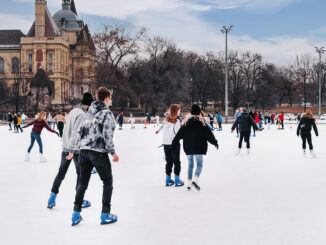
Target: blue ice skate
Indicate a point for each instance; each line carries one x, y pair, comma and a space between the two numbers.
86, 204
238, 135
94, 171
51, 202
76, 218
169, 181
178, 182
108, 218
254, 135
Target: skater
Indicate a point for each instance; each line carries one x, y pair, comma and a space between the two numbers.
10, 119
38, 126
281, 118
24, 117
60, 120
254, 116
306, 123
148, 119
120, 120
50, 120
211, 120
132, 121
157, 118
219, 120
70, 149
95, 137
19, 122
15, 123
195, 135
171, 126
298, 117
245, 122
273, 118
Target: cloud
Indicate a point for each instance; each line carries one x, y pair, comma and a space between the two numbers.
11, 21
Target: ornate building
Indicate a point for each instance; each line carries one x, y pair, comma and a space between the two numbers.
61, 45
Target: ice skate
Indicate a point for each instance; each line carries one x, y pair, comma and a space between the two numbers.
304, 152
169, 181
312, 154
108, 218
195, 183
28, 157
238, 152
178, 182
42, 158
86, 204
94, 171
189, 184
51, 202
76, 218
248, 151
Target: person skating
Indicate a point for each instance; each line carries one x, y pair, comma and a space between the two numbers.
305, 125
10, 119
171, 126
219, 120
96, 142
19, 122
157, 118
244, 122
298, 117
60, 120
148, 118
132, 121
69, 148
38, 126
15, 119
254, 116
281, 118
211, 120
24, 117
120, 120
195, 135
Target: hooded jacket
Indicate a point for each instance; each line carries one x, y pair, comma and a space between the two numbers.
96, 130
195, 136
306, 123
245, 121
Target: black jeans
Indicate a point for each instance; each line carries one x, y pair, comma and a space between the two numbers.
64, 165
87, 160
172, 157
306, 136
246, 136
10, 128
20, 128
60, 128
219, 125
282, 124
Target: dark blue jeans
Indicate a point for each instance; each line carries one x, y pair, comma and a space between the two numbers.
37, 137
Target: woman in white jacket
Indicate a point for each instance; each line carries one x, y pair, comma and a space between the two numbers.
171, 126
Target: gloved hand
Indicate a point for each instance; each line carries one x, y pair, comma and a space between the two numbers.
156, 132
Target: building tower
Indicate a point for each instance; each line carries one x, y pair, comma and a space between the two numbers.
40, 6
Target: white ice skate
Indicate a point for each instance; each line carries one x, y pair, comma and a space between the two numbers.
27, 157
195, 183
312, 154
238, 152
189, 183
42, 158
304, 152
248, 151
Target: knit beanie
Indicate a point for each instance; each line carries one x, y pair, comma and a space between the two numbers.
87, 99
195, 110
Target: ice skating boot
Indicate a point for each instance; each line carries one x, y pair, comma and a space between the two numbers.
254, 135
189, 184
76, 218
312, 154
108, 218
178, 182
238, 135
28, 157
238, 152
94, 171
42, 158
169, 181
51, 202
248, 151
195, 183
86, 204
304, 152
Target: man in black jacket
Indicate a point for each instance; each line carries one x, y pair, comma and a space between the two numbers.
245, 122
306, 123
195, 134
10, 119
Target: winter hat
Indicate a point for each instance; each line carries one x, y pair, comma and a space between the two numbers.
245, 110
87, 99
308, 112
195, 110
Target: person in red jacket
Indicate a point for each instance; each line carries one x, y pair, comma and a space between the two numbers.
38, 126
281, 117
273, 118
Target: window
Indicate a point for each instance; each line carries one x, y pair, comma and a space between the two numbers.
15, 88
30, 62
15, 65
50, 62
2, 65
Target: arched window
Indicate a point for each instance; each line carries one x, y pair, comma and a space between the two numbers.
2, 65
15, 65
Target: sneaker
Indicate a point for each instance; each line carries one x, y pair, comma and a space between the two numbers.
76, 218
51, 202
108, 218
27, 157
42, 158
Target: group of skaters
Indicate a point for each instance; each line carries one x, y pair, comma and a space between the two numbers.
17, 120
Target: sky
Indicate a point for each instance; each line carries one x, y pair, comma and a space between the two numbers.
277, 29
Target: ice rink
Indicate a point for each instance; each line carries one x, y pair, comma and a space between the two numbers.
274, 196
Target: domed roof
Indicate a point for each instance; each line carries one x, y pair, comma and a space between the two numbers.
66, 17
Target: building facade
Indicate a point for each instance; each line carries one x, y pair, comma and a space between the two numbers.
60, 44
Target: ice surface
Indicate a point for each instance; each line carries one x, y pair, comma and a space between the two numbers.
274, 196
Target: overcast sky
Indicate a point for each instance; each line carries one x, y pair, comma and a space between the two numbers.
278, 29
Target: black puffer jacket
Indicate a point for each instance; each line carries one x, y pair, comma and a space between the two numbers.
306, 123
195, 136
245, 121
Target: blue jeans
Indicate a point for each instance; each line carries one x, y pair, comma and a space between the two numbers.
199, 161
37, 137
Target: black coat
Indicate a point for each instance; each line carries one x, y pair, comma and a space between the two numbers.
10, 118
195, 136
245, 121
15, 120
306, 123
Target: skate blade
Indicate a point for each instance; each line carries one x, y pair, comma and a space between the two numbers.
179, 185
51, 206
77, 221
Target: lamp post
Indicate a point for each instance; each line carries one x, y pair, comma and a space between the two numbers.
320, 51
226, 30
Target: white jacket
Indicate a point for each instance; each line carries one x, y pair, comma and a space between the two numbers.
170, 130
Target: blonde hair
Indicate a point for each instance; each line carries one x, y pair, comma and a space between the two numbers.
40, 115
